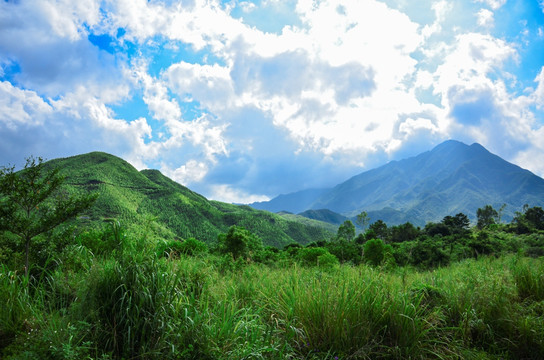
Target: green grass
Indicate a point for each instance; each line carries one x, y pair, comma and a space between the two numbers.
129, 303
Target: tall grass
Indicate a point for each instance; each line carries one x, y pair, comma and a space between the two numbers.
16, 314
135, 305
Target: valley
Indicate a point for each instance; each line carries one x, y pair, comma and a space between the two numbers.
150, 269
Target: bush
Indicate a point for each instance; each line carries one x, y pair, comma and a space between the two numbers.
240, 243
327, 261
193, 247
375, 250
429, 252
309, 256
170, 249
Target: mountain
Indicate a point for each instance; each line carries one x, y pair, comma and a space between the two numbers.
294, 203
451, 178
324, 215
135, 197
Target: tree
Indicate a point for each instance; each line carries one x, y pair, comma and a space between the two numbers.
346, 231
486, 216
32, 203
375, 251
499, 213
433, 229
404, 232
535, 217
309, 255
458, 223
362, 220
428, 252
240, 242
380, 230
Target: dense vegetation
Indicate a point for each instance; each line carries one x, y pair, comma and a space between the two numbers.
112, 291
135, 197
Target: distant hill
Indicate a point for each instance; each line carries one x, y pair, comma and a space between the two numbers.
324, 215
134, 197
294, 203
451, 178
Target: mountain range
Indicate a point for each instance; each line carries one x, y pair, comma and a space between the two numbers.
148, 199
449, 179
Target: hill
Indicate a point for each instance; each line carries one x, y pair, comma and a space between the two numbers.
135, 197
324, 215
451, 178
294, 203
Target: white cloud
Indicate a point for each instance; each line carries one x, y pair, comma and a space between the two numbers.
211, 85
539, 92
47, 40
21, 107
156, 95
440, 8
229, 194
529, 158
410, 126
347, 82
485, 18
191, 172
469, 63
493, 4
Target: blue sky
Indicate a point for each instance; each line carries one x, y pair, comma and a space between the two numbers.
244, 100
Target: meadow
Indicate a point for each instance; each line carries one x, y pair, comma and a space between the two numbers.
109, 293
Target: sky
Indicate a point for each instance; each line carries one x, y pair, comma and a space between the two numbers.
244, 100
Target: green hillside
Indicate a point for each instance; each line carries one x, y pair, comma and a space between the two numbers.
134, 197
324, 215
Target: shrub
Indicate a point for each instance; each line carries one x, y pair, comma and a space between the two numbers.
428, 252
374, 251
193, 247
170, 249
309, 256
327, 261
240, 243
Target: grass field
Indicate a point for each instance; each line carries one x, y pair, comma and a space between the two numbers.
133, 304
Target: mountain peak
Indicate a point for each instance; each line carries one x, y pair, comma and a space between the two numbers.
452, 177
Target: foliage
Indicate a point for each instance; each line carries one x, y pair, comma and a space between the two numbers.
345, 251
486, 216
134, 304
310, 255
404, 232
428, 252
133, 196
240, 243
379, 229
346, 231
32, 203
362, 220
375, 251
458, 223
327, 261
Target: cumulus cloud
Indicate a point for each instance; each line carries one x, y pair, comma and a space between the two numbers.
21, 107
47, 41
242, 111
228, 194
187, 174
485, 18
493, 4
